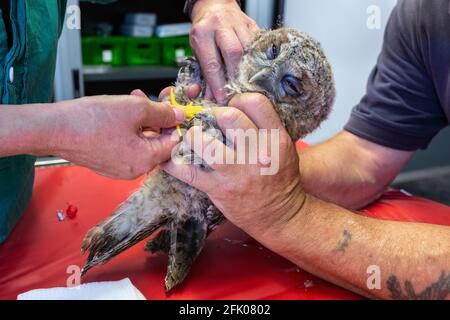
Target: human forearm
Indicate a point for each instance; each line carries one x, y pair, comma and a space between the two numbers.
342, 247
349, 171
104, 133
323, 238
29, 129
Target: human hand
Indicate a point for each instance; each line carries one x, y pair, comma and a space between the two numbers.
116, 136
192, 91
248, 198
220, 32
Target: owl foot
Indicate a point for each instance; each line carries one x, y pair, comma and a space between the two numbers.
190, 73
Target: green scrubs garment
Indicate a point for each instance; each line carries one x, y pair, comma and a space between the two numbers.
27, 71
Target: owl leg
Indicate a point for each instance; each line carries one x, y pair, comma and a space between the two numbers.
186, 242
136, 219
190, 73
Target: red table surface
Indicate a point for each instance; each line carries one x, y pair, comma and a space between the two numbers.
231, 266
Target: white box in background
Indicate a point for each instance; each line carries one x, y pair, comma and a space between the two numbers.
136, 31
175, 29
141, 19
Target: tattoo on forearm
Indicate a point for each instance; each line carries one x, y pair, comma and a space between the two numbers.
343, 244
438, 290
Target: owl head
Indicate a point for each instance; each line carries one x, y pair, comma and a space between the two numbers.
290, 68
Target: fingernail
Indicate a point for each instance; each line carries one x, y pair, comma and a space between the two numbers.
180, 115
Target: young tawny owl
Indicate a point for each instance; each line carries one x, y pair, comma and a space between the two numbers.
288, 67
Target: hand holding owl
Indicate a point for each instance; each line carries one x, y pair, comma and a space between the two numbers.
220, 32
260, 202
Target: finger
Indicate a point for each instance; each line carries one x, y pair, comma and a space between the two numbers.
210, 61
165, 94
231, 49
192, 91
160, 148
208, 93
217, 155
233, 122
162, 115
259, 109
243, 134
190, 174
254, 28
245, 36
139, 93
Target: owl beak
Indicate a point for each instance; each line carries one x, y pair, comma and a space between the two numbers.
263, 79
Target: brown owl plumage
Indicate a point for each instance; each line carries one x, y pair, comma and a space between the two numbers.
287, 66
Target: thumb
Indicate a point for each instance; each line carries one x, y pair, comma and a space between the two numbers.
162, 115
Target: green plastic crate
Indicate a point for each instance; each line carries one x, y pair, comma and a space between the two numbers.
174, 49
103, 51
142, 51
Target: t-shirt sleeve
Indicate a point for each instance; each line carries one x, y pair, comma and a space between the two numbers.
400, 109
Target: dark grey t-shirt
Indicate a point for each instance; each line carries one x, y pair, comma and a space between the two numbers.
408, 93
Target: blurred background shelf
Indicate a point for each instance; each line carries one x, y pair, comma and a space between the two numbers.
130, 66
128, 73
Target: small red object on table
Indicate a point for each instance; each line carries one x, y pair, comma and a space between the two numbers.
71, 211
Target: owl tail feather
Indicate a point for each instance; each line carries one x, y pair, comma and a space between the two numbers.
129, 225
186, 243
107, 247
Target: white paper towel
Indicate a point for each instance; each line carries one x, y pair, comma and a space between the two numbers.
107, 290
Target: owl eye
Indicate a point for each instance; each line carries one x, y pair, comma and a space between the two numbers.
292, 86
273, 52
